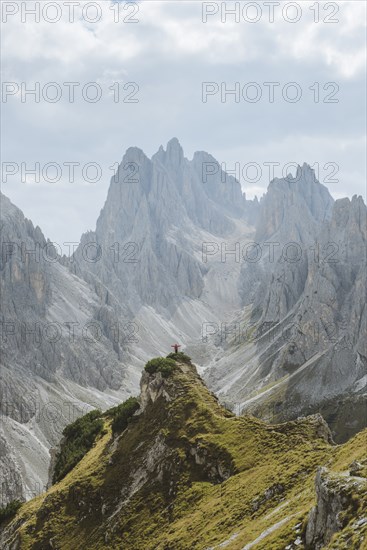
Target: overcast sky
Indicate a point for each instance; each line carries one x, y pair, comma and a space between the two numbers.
168, 53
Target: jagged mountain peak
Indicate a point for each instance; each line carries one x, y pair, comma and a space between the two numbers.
304, 179
173, 155
200, 156
294, 207
14, 215
202, 184
347, 211
7, 207
355, 203
161, 206
306, 171
134, 152
174, 145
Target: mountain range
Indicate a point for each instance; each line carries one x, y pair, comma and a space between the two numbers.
268, 297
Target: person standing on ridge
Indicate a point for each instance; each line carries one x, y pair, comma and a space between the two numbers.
176, 346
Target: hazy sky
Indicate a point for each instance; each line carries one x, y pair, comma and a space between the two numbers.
168, 53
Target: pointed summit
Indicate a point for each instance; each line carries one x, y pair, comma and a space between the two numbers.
174, 151
173, 142
305, 172
173, 155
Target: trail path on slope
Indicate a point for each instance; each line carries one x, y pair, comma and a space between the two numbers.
267, 532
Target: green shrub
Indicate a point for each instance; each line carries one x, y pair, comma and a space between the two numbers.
180, 356
153, 365
122, 413
167, 368
161, 364
8, 511
79, 437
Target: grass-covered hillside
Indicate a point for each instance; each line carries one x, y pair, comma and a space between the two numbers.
174, 470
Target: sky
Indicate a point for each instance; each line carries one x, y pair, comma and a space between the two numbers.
113, 75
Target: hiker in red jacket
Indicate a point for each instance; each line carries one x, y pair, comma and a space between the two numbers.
176, 346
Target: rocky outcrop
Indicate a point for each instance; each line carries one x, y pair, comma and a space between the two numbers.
337, 502
275, 490
214, 466
151, 389
358, 468
12, 487
315, 424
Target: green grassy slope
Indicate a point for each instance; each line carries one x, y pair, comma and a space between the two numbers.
187, 474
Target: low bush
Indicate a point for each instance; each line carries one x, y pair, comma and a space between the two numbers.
161, 364
122, 413
179, 356
79, 437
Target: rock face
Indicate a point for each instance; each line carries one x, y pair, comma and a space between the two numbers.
337, 503
152, 389
293, 208
53, 364
152, 218
306, 315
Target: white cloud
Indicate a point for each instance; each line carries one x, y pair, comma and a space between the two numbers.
169, 53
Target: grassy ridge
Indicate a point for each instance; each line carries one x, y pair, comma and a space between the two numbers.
187, 474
